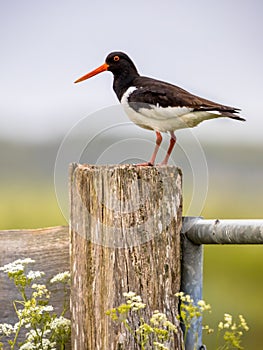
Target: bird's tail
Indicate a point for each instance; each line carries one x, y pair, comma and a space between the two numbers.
232, 115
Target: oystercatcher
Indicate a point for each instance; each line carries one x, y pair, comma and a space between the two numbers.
157, 105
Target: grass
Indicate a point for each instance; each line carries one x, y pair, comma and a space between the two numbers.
233, 284
29, 206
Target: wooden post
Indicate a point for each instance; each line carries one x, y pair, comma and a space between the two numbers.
125, 236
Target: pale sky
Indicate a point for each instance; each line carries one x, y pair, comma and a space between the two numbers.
211, 48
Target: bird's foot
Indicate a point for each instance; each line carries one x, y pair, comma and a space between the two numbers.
145, 164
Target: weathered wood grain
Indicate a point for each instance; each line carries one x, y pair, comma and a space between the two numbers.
125, 236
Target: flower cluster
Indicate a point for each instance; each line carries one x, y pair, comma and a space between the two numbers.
33, 275
160, 319
16, 266
158, 331
134, 301
31, 344
60, 323
203, 306
160, 346
232, 331
45, 330
6, 329
62, 277
41, 291
190, 312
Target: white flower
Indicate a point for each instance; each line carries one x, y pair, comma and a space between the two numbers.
137, 298
16, 326
6, 329
220, 325
184, 297
27, 346
135, 301
46, 308
228, 320
46, 344
157, 318
160, 346
188, 299
137, 306
129, 295
62, 277
179, 294
41, 291
234, 327
17, 265
208, 329
32, 275
60, 323
203, 306
46, 332
243, 323
33, 334
25, 315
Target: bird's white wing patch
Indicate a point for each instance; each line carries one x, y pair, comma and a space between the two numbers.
163, 113
164, 118
152, 111
213, 112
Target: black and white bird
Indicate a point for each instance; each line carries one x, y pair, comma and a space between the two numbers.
156, 105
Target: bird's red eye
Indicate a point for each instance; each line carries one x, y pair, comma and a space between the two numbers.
116, 58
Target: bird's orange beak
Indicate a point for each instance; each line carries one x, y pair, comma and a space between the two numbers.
98, 70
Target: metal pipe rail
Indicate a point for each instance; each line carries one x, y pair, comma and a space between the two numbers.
200, 231
196, 232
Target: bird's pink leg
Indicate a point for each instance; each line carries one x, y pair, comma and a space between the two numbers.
157, 145
171, 146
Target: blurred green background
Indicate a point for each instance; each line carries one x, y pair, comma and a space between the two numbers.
233, 280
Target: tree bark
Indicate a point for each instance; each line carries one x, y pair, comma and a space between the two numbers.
125, 236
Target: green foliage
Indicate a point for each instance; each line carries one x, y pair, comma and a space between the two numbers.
189, 312
45, 329
231, 273
159, 330
229, 333
232, 332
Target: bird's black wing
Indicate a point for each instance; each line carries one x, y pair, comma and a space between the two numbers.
151, 92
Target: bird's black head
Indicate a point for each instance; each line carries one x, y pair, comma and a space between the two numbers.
119, 62
116, 62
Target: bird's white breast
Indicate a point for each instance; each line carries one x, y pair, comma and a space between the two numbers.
163, 119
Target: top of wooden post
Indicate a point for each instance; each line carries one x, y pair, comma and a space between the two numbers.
125, 205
